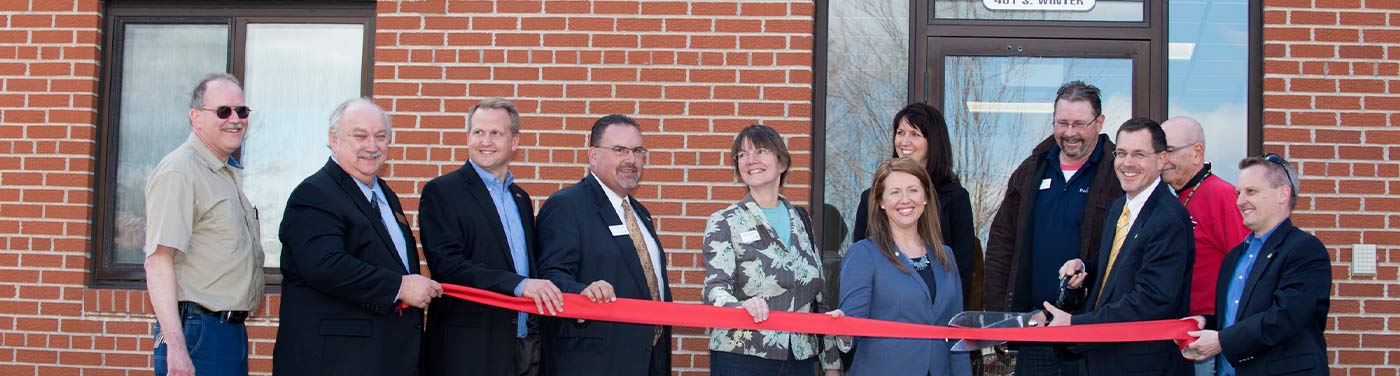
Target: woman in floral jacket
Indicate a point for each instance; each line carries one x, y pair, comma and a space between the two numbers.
759, 256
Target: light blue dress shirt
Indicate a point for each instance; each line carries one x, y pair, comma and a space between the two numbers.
509, 214
1236, 291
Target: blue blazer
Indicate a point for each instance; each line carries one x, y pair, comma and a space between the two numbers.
1151, 280
576, 248
1283, 311
872, 288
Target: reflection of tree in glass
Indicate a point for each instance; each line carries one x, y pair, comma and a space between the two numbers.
987, 145
867, 74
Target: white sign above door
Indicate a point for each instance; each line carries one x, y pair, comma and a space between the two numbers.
1052, 5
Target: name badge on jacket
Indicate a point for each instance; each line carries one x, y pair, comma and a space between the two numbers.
618, 230
1045, 184
748, 236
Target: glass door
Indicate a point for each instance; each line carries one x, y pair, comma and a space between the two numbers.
998, 97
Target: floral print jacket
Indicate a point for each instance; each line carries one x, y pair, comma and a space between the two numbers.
745, 259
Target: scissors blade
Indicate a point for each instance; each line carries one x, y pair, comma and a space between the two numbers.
987, 319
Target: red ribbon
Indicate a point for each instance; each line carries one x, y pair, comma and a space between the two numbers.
637, 311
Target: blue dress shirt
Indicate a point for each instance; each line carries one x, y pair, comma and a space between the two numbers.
1236, 291
509, 214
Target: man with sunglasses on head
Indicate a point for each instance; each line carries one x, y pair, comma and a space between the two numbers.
203, 254
598, 241
1273, 291
1211, 202
1053, 211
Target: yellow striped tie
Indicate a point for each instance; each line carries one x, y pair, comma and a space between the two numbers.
1120, 234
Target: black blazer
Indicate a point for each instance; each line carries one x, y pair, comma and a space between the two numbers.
577, 248
1278, 327
465, 244
1151, 280
340, 284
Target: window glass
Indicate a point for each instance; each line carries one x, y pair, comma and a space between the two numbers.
867, 77
160, 64
295, 75
999, 108
1208, 73
1102, 10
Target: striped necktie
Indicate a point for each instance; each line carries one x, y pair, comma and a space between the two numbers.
1120, 234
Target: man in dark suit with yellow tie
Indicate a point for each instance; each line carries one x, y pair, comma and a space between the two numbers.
349, 260
1145, 271
596, 240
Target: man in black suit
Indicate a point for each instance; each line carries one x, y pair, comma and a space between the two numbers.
598, 241
1144, 270
1273, 291
349, 260
478, 230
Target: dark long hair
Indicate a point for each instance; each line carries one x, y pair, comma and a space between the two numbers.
930, 122
879, 226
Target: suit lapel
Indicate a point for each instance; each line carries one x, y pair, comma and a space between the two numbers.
351, 188
476, 188
665, 284
527, 224
1261, 263
410, 245
624, 242
1114, 211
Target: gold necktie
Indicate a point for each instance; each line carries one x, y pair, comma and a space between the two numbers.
635, 232
1119, 235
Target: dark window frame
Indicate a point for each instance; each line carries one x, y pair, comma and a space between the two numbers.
923, 26
105, 271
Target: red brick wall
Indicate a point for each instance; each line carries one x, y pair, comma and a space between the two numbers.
1332, 105
693, 74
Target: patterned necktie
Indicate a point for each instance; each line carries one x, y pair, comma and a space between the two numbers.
635, 232
1120, 234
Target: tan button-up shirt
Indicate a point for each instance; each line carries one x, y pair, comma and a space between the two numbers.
195, 203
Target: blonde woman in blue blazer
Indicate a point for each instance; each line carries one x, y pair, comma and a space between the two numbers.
902, 272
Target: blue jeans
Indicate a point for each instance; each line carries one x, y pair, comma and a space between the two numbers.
1206, 367
216, 348
730, 364
1040, 360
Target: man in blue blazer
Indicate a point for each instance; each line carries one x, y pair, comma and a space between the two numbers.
1272, 295
596, 240
1143, 271
478, 230
348, 260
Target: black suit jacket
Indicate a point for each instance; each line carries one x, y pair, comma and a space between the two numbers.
1278, 327
465, 244
1151, 280
577, 248
340, 282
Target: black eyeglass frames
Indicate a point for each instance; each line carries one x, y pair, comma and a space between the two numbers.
223, 112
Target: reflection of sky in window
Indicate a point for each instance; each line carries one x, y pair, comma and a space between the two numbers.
1211, 85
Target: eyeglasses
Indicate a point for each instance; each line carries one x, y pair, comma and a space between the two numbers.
1075, 125
1276, 159
623, 151
760, 152
1173, 149
1137, 155
223, 112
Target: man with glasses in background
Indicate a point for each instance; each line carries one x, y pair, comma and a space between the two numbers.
1211, 202
598, 241
204, 258
1273, 292
1053, 211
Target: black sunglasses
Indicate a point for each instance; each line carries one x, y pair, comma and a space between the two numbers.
223, 112
1278, 160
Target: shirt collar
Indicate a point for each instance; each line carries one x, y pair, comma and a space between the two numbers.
1195, 180
1251, 238
1135, 204
207, 156
490, 179
612, 196
367, 189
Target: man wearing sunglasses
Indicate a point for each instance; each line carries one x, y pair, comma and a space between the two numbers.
598, 241
1211, 202
203, 254
1273, 291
